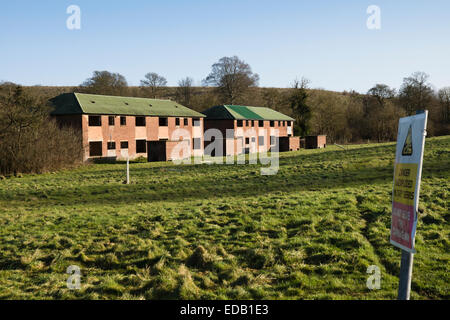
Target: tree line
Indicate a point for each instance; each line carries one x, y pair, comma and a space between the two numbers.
345, 117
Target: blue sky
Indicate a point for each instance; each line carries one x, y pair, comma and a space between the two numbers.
325, 41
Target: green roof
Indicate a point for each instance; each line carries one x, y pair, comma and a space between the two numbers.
225, 112
80, 103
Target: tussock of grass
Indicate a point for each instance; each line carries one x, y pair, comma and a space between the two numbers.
223, 232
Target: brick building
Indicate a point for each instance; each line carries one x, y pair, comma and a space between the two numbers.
110, 125
250, 129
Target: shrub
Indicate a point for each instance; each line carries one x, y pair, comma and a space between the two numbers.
30, 141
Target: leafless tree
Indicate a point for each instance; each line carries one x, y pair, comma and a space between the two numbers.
416, 92
232, 77
381, 92
184, 91
444, 99
105, 82
153, 82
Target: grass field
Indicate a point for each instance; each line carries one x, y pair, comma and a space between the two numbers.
223, 231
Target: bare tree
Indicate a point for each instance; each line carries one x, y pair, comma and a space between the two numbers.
184, 91
232, 77
416, 92
381, 92
303, 83
153, 82
444, 99
30, 141
271, 98
300, 106
105, 82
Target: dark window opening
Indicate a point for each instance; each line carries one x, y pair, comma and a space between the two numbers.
140, 121
247, 123
247, 140
123, 144
95, 121
111, 145
272, 123
163, 122
261, 140
141, 146
177, 121
111, 120
239, 123
196, 143
123, 121
261, 123
95, 149
196, 122
186, 121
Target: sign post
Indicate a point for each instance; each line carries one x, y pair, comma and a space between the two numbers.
124, 153
405, 193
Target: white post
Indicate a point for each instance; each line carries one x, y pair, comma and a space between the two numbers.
128, 170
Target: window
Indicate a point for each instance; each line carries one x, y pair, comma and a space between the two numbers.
177, 121
253, 139
123, 144
196, 122
273, 140
261, 123
141, 146
123, 121
196, 143
239, 123
163, 122
95, 121
261, 140
247, 123
95, 149
247, 140
272, 123
111, 120
140, 121
111, 145
186, 121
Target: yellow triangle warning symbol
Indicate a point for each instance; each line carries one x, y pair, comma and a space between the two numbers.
407, 147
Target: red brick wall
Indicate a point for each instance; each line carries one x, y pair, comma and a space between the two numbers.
118, 133
222, 125
322, 141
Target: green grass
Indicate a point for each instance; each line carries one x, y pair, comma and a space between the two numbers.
223, 231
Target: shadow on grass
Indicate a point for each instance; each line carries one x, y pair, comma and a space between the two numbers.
234, 181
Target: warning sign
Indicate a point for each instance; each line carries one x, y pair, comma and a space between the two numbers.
407, 147
407, 174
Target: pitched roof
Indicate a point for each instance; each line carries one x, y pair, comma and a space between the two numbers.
225, 112
80, 103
